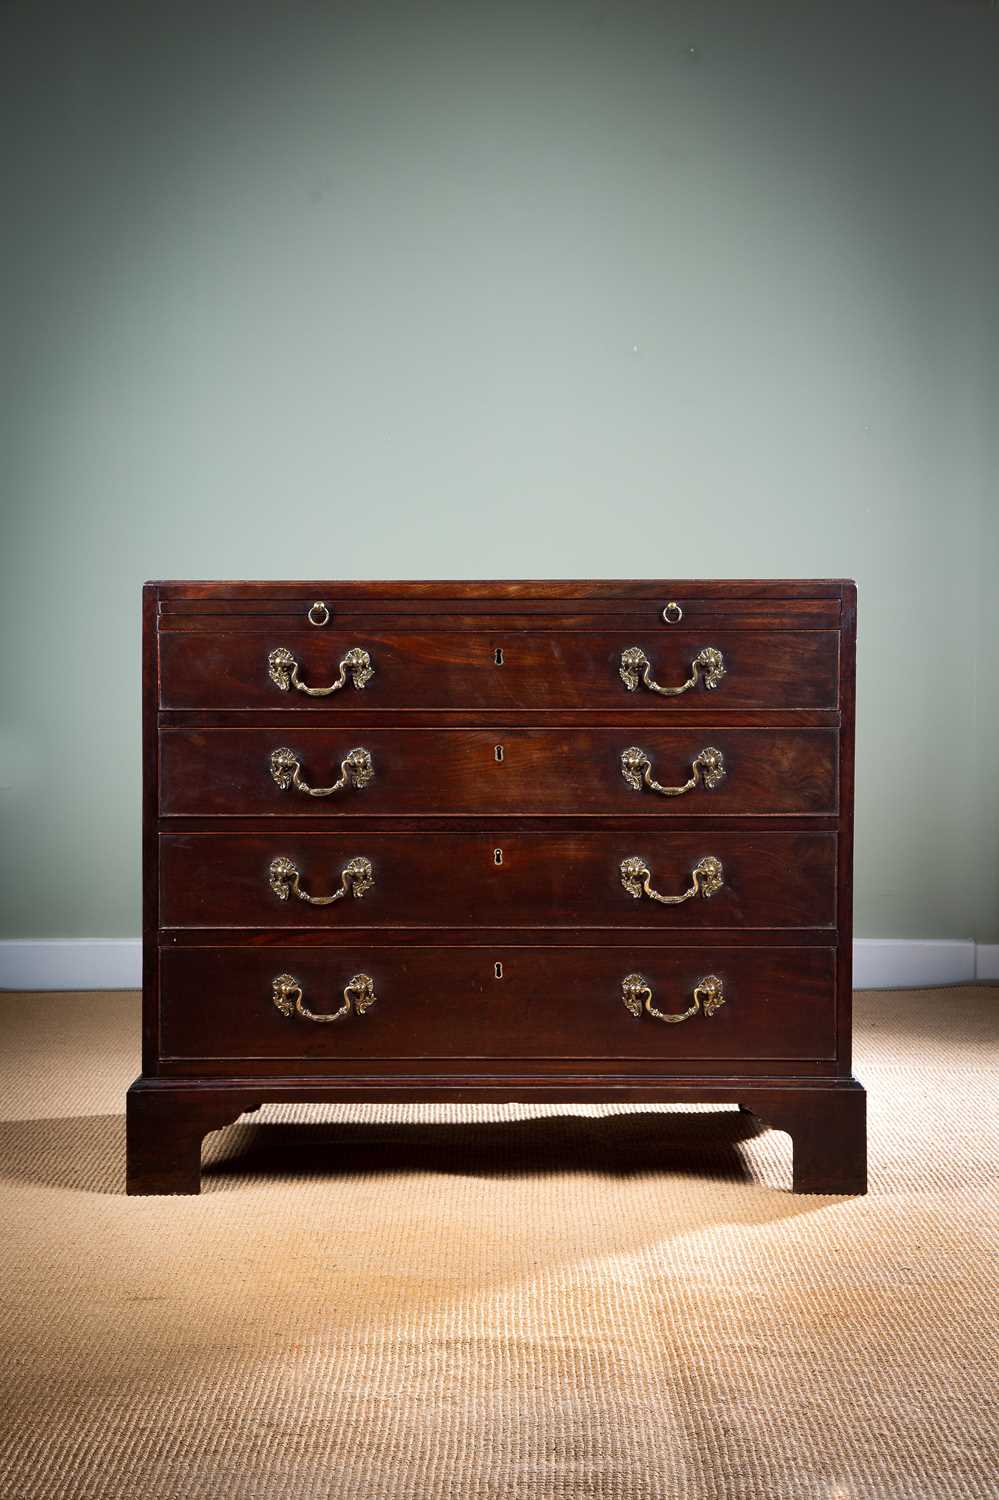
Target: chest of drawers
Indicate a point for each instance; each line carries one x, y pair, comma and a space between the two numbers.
544, 841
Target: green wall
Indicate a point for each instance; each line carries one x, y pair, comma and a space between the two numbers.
465, 290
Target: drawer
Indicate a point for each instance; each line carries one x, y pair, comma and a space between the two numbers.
711, 771
498, 1002
453, 880
501, 669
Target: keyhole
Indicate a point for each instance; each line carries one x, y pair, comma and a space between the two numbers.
497, 856
498, 656
497, 970
498, 752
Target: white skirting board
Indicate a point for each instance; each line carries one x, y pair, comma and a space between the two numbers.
71, 964
116, 963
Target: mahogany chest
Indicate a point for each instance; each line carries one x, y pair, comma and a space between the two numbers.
545, 841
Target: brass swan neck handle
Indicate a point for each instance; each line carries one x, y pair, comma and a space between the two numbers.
636, 993
356, 877
707, 766
706, 878
636, 667
358, 996
357, 768
282, 668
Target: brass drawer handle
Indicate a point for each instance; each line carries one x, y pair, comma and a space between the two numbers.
282, 668
707, 766
356, 768
637, 996
636, 667
706, 878
355, 878
358, 994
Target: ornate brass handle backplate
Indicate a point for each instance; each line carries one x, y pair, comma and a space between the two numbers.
355, 878
637, 996
358, 995
356, 768
706, 878
708, 766
282, 668
636, 667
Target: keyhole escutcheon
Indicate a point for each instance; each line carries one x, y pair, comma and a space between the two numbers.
498, 752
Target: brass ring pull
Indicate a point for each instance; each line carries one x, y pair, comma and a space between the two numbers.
672, 613
707, 766
356, 768
358, 995
636, 667
637, 996
282, 668
319, 604
706, 878
355, 878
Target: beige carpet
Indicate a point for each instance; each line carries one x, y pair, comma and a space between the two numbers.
513, 1302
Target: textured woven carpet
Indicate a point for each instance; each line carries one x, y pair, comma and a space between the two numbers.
517, 1302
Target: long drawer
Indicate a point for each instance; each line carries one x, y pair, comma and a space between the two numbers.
727, 1005
701, 772
502, 669
599, 879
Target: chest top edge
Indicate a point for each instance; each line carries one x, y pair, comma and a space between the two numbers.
770, 589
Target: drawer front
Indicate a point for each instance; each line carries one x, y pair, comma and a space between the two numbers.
239, 772
423, 1003
384, 880
502, 669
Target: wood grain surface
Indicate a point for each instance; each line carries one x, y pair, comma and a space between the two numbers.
567, 880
